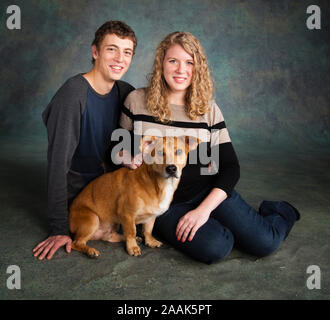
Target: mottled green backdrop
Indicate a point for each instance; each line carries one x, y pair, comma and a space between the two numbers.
271, 72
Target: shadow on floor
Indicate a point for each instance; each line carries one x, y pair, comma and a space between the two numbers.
23, 187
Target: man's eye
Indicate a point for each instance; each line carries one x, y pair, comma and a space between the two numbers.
178, 152
128, 53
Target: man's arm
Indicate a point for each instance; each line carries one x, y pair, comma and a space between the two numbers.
62, 118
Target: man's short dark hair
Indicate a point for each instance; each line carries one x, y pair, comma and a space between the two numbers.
119, 28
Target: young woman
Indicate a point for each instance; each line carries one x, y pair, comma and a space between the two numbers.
207, 216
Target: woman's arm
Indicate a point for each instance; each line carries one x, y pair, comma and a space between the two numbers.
228, 172
226, 178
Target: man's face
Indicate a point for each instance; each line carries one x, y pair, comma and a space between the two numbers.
113, 57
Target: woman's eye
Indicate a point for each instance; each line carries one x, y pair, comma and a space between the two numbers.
160, 152
178, 152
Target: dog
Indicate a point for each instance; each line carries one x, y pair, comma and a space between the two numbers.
129, 197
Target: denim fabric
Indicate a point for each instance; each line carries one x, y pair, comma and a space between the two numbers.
232, 222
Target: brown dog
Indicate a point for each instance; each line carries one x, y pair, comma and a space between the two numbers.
129, 197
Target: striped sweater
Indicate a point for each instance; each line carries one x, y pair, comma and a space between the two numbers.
213, 164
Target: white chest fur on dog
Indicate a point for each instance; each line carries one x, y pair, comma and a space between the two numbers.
168, 196
165, 201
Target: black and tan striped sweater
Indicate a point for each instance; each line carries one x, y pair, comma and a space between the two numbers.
210, 129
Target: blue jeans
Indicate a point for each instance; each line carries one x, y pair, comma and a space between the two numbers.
232, 222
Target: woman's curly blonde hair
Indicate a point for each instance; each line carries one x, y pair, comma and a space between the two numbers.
199, 92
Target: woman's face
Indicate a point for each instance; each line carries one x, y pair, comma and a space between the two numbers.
178, 66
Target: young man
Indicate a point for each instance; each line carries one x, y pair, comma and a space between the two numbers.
80, 120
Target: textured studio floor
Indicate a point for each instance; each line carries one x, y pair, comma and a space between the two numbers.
301, 178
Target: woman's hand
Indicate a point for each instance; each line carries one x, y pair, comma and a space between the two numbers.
51, 245
190, 223
194, 219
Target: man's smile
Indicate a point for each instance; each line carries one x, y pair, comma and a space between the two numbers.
116, 68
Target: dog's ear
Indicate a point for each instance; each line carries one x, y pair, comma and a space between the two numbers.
146, 143
191, 142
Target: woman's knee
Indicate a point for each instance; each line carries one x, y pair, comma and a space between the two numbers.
211, 243
216, 248
215, 254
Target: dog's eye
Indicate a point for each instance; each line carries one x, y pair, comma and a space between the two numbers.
178, 152
160, 152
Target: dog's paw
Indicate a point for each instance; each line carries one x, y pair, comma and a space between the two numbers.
134, 251
153, 243
93, 253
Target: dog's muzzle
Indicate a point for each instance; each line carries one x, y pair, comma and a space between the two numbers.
171, 170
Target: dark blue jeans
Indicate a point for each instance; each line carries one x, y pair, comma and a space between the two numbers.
232, 222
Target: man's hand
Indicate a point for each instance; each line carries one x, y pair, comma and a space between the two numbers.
125, 158
136, 161
51, 245
132, 163
190, 223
